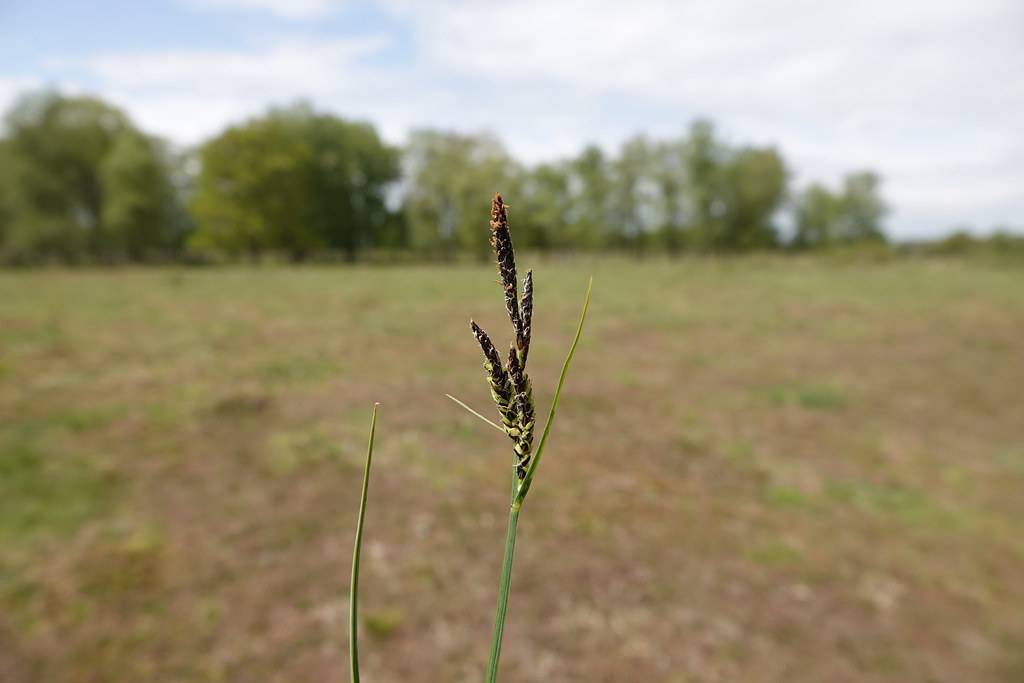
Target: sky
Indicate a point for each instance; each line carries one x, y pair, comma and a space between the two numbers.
929, 93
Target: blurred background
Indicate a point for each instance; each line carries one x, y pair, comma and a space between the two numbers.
790, 448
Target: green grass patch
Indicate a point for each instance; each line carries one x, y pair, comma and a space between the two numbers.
86, 418
291, 451
810, 396
774, 554
383, 623
300, 369
42, 491
893, 502
787, 498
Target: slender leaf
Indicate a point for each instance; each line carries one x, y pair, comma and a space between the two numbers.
353, 617
524, 487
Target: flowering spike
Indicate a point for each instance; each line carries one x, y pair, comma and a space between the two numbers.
498, 380
501, 241
523, 405
526, 312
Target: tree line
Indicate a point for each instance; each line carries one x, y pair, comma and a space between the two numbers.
80, 182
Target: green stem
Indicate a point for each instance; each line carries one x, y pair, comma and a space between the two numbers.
503, 589
353, 603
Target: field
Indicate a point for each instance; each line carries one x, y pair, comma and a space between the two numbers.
764, 469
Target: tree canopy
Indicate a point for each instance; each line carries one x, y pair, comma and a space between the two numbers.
79, 181
853, 214
293, 181
450, 179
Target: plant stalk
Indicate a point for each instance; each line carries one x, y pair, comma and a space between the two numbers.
503, 590
353, 594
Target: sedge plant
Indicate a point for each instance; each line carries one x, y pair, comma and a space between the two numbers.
512, 393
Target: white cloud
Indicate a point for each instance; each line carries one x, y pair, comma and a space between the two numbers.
190, 94
917, 89
286, 9
286, 65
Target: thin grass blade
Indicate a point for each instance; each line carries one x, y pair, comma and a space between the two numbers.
353, 616
524, 487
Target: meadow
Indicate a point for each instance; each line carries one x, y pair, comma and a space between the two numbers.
764, 469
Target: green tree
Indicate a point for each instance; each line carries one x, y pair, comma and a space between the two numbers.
824, 218
590, 188
753, 187
547, 207
861, 209
702, 160
253, 192
669, 177
140, 214
633, 194
450, 179
81, 182
816, 213
958, 243
6, 193
355, 172
293, 181
56, 146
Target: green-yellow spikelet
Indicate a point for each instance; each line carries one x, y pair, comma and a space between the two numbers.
524, 410
498, 381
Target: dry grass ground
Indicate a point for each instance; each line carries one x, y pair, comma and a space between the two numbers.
764, 470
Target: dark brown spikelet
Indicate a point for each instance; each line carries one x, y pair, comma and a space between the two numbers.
498, 380
501, 241
526, 313
523, 404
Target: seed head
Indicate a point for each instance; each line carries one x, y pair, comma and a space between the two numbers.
501, 242
526, 312
490, 353
498, 380
524, 411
